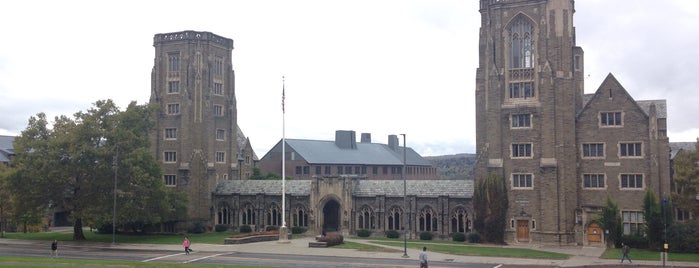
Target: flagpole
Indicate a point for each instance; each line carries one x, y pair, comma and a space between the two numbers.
283, 230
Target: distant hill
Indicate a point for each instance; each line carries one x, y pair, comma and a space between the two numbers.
454, 167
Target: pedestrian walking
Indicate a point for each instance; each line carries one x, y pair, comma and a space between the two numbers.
625, 252
186, 244
54, 248
423, 258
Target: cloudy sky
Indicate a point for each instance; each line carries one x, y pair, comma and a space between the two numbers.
372, 66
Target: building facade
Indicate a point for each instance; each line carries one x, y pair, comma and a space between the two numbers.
560, 151
306, 159
348, 203
197, 136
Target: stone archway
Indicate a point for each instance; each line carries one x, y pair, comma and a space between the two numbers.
331, 216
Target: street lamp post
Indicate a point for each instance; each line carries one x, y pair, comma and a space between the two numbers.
405, 234
116, 167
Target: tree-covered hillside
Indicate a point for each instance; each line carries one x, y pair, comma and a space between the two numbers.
454, 167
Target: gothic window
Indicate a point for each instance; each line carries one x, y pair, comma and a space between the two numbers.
220, 157
427, 220
521, 48
366, 219
248, 216
458, 221
394, 219
274, 216
300, 217
632, 222
173, 60
223, 216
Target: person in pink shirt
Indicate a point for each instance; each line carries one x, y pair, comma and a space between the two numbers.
186, 245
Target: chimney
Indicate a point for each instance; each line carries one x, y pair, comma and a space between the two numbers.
393, 142
345, 139
366, 137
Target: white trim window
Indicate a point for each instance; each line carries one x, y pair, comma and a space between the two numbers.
593, 181
631, 181
522, 181
521, 150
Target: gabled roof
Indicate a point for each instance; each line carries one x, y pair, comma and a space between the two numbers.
643, 105
6, 148
326, 152
243, 142
363, 188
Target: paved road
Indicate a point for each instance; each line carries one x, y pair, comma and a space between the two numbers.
296, 253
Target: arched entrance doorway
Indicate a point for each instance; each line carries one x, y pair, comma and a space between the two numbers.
331, 216
594, 233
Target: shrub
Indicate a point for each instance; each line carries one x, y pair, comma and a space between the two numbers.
392, 234
635, 241
298, 230
245, 229
473, 237
425, 236
197, 228
363, 233
458, 237
684, 236
332, 238
271, 228
221, 228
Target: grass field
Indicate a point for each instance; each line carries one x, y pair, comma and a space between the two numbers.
60, 262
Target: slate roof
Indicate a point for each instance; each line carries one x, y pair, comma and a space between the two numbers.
363, 188
676, 147
326, 152
660, 105
270, 187
6, 148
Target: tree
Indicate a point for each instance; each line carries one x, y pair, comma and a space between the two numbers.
686, 180
611, 223
74, 166
490, 206
653, 219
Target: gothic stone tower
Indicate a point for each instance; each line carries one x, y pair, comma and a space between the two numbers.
193, 84
529, 88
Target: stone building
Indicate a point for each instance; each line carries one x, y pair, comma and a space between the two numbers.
561, 152
306, 159
197, 138
348, 203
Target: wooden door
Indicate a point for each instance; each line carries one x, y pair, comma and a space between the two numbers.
522, 230
594, 233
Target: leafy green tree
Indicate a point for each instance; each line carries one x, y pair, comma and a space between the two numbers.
5, 201
75, 166
611, 222
686, 180
653, 220
490, 206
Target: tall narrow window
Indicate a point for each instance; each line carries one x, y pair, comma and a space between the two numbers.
218, 89
220, 134
218, 110
173, 62
521, 49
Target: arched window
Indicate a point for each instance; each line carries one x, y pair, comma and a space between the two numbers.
521, 46
300, 217
458, 221
274, 215
366, 219
223, 215
393, 219
248, 216
427, 220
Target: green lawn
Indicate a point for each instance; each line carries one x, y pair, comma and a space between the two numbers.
648, 255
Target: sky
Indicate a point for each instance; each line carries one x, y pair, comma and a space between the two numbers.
373, 66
